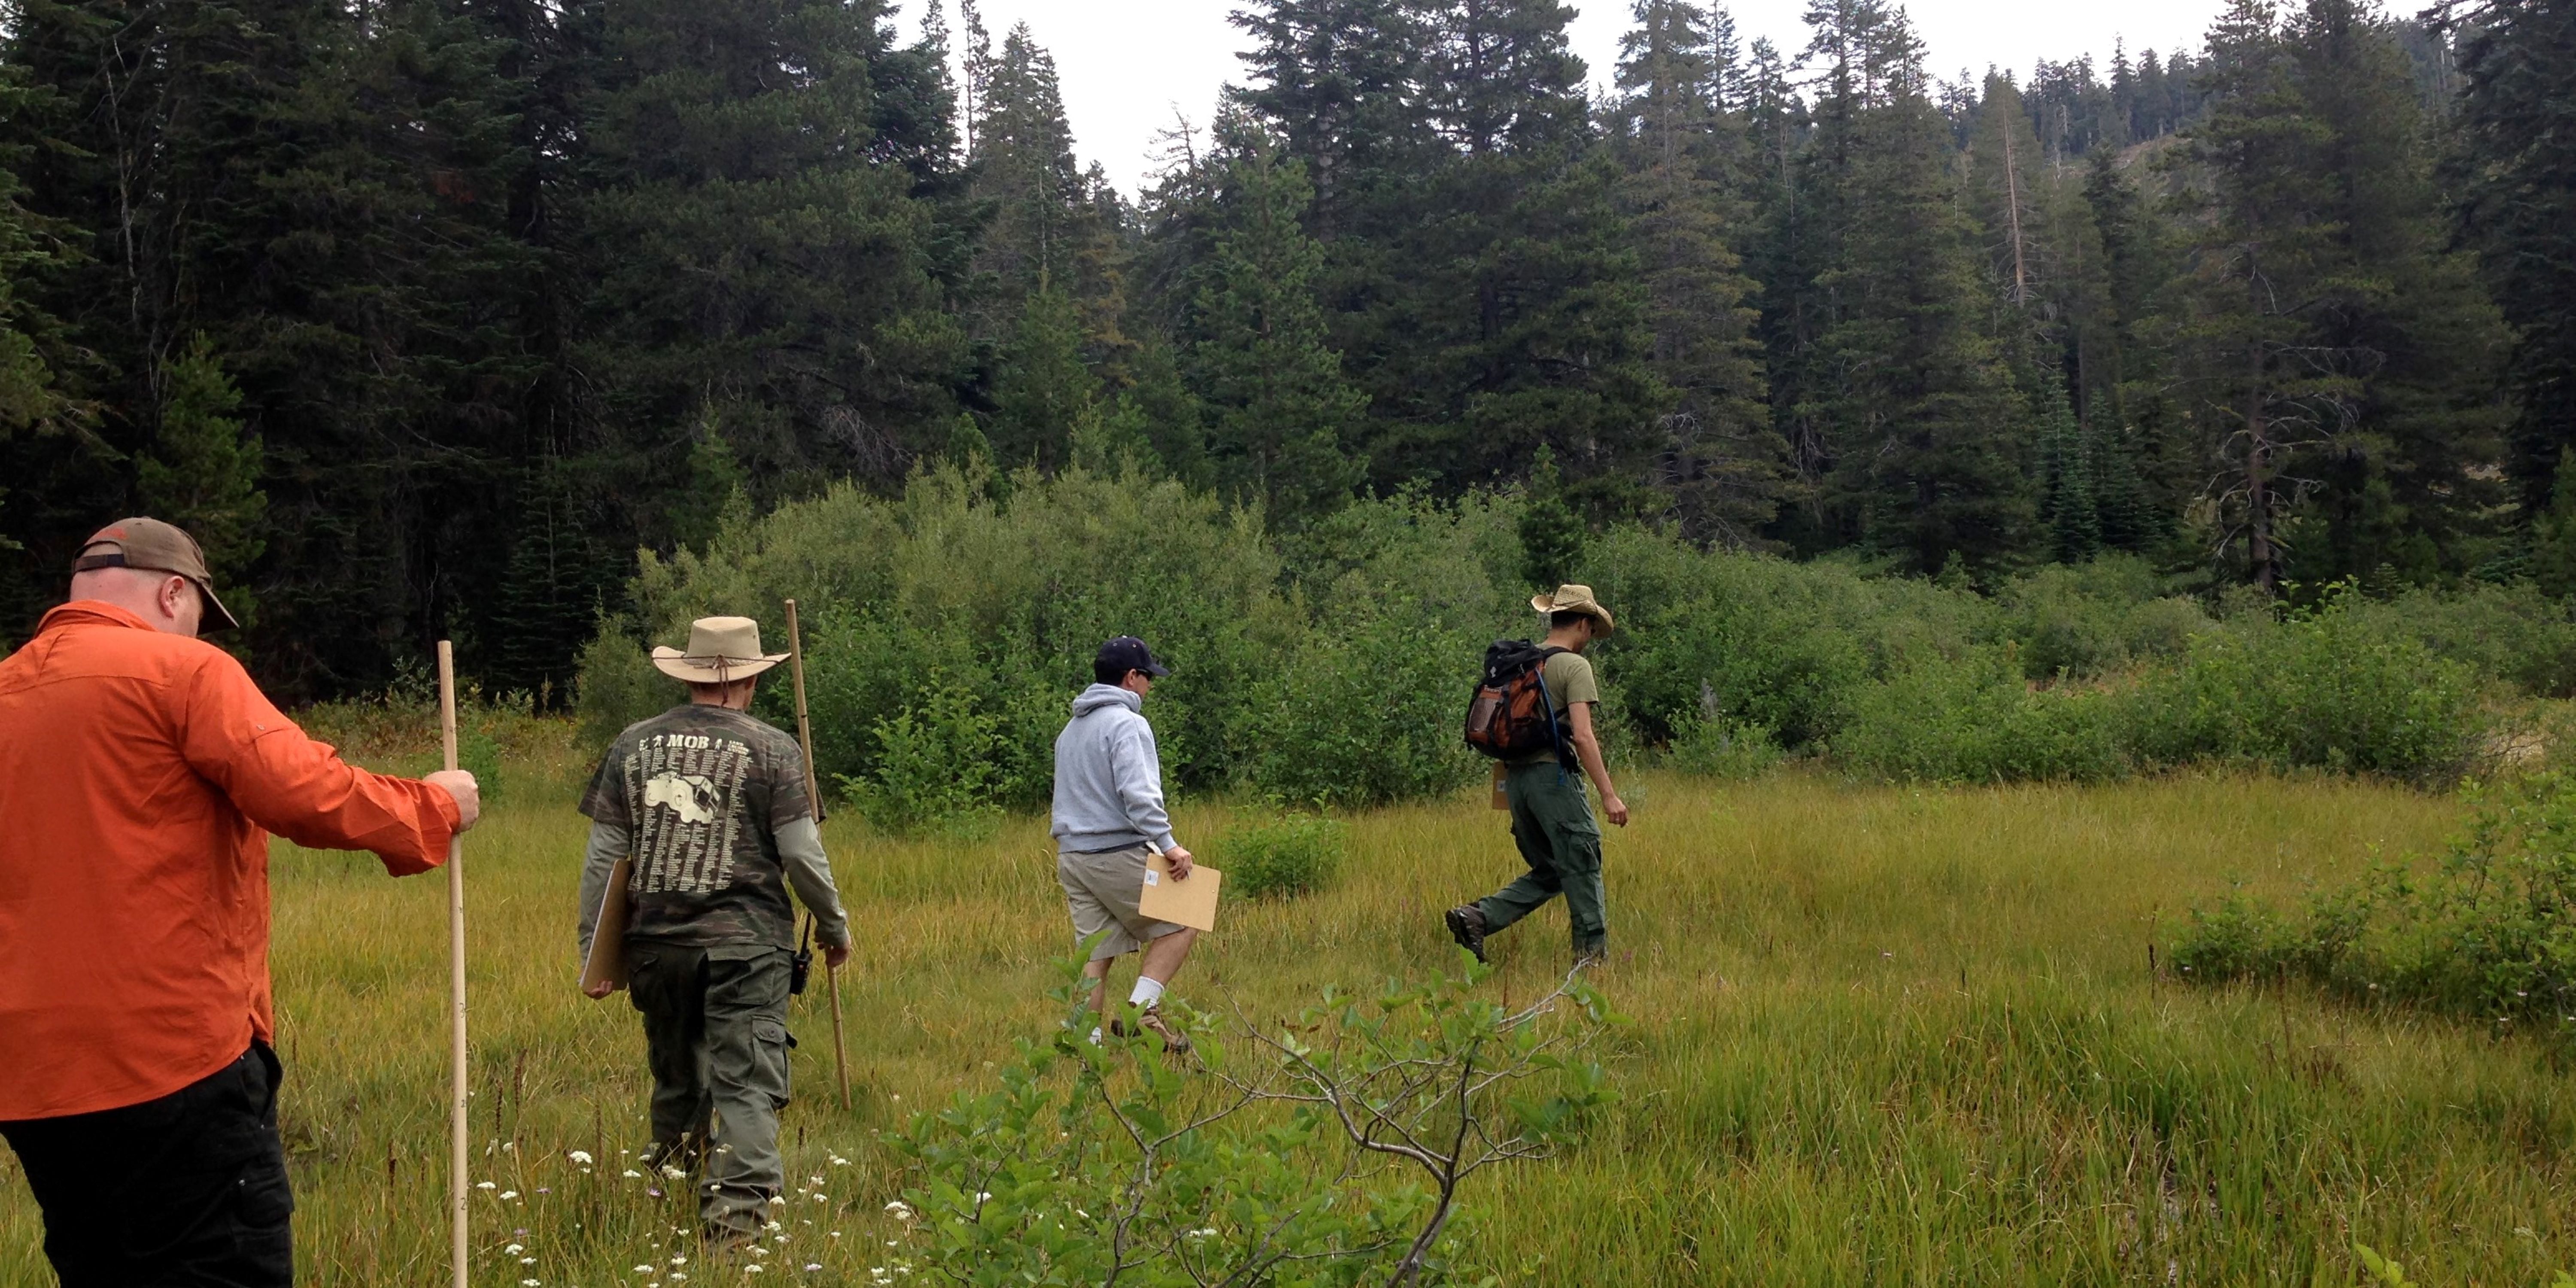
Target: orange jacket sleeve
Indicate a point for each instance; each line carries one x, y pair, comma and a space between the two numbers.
300, 789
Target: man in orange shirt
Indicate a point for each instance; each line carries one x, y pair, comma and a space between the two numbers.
141, 773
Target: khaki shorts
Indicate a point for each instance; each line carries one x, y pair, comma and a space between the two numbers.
1102, 888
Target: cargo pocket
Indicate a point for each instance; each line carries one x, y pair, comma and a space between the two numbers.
772, 1042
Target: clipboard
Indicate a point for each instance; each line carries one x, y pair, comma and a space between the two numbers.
607, 962
1190, 903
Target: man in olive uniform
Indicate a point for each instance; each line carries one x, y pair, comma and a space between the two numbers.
1551, 820
712, 807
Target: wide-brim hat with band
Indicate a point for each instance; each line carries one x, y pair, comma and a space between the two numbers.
154, 546
1575, 599
721, 650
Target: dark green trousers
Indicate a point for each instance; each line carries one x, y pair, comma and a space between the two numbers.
715, 1035
1552, 823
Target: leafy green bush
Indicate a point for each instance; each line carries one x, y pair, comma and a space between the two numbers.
938, 766
1722, 748
1329, 666
1294, 855
1364, 715
2096, 619
2488, 929
1973, 719
1324, 1153
2323, 689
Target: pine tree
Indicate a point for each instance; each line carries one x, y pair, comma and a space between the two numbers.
1046, 394
1926, 430
1723, 464
1515, 318
1282, 420
2518, 172
749, 263
203, 471
2404, 486
2269, 393
1335, 80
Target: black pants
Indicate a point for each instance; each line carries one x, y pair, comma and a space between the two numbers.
187, 1191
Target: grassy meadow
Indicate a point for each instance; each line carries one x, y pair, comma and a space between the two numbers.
1880, 1035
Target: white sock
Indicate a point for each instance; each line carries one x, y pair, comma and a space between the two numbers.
1148, 992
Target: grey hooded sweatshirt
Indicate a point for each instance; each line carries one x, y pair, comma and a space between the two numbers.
1108, 776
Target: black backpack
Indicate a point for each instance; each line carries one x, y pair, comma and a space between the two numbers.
1512, 714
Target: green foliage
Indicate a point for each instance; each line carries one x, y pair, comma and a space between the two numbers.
938, 765
2486, 929
1290, 855
1261, 1166
1721, 748
203, 473
1974, 719
2321, 689
1366, 712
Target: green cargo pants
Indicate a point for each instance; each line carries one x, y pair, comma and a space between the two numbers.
1552, 822
715, 1035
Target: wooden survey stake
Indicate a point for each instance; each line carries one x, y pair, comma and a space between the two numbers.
459, 1157
1190, 902
814, 794
607, 963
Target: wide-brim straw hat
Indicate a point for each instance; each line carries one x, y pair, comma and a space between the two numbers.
1575, 599
721, 650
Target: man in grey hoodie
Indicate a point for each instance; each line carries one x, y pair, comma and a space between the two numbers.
1109, 818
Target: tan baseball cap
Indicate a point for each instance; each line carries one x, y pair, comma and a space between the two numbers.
158, 547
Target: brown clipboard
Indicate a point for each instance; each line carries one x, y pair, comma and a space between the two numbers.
1190, 903
607, 962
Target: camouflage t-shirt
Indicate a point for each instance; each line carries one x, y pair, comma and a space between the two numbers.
701, 792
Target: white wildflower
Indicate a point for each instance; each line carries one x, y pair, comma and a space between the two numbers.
515, 1249
485, 1185
672, 1172
633, 1175
581, 1156
509, 1194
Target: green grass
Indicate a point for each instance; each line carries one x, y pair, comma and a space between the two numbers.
1882, 1035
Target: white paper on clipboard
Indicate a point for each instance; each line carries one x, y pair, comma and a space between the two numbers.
1190, 902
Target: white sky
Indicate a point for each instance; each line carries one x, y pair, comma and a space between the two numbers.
1127, 64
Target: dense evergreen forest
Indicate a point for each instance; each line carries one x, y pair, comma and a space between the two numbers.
427, 315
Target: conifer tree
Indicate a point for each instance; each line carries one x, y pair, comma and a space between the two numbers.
1926, 430
1282, 421
1722, 463
2269, 393
1516, 318
2517, 60
1046, 395
203, 470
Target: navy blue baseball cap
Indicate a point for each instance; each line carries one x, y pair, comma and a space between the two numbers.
1127, 653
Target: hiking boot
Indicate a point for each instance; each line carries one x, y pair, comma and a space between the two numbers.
1586, 958
1467, 925
1150, 1020
726, 1243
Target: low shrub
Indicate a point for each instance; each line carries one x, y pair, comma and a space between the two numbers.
2326, 689
2487, 929
1363, 715
1292, 855
938, 765
1722, 748
1973, 719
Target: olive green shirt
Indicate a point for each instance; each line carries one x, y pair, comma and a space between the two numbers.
1569, 680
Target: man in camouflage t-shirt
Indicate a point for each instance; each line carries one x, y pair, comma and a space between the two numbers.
712, 808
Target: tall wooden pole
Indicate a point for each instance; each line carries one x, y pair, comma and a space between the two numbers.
458, 1162
814, 793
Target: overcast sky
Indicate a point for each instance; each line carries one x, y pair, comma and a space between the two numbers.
1127, 65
